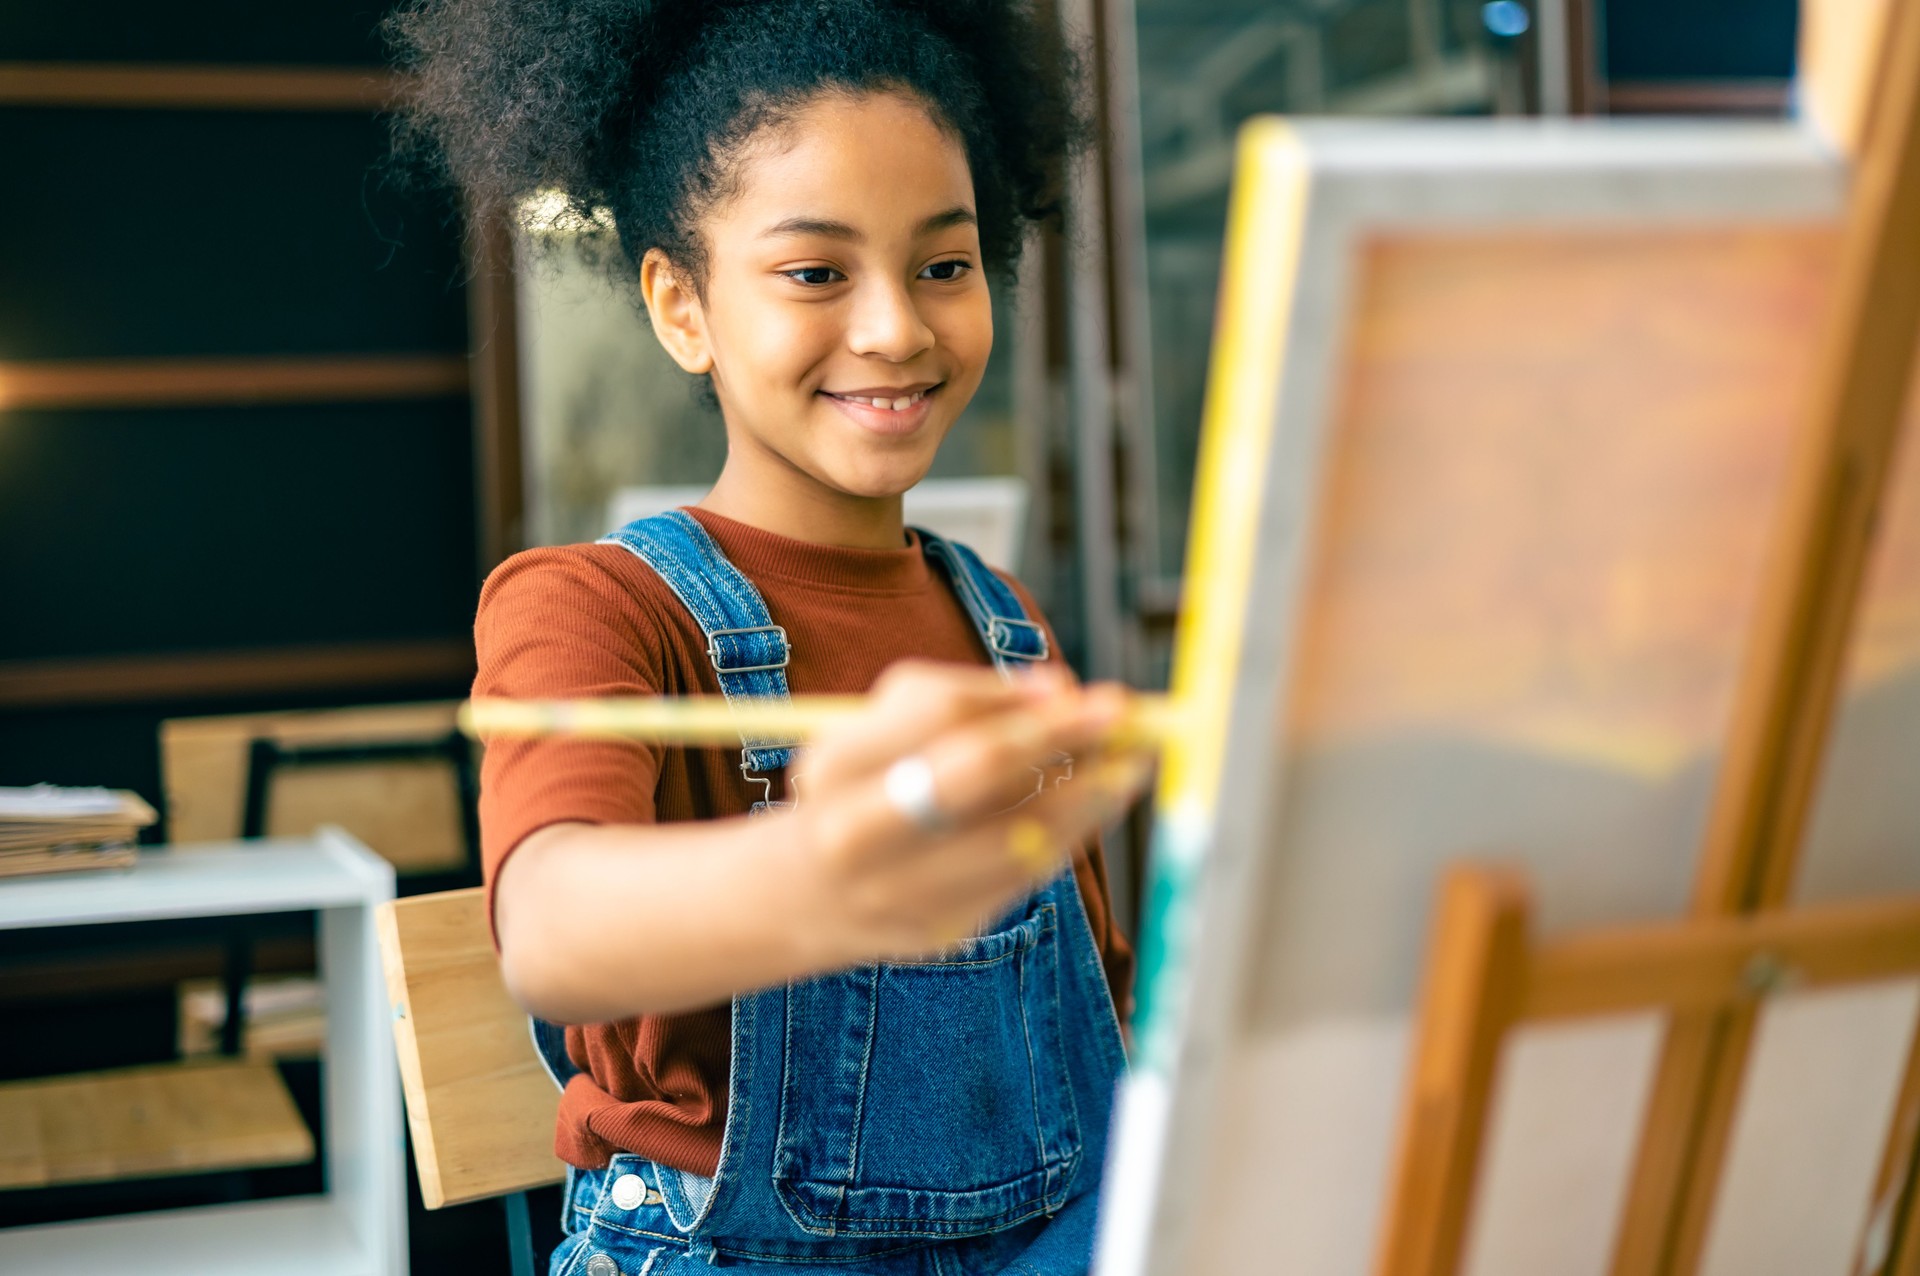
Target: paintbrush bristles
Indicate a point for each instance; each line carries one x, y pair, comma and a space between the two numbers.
714, 720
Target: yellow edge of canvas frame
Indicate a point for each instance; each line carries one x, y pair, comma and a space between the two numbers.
1265, 226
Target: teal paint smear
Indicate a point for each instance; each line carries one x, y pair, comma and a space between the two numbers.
1166, 941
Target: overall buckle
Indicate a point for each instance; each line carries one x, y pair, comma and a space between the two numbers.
713, 648
1000, 630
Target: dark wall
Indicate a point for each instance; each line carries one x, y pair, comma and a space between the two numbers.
164, 234
146, 530
313, 32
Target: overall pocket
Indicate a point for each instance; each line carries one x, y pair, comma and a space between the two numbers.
930, 1098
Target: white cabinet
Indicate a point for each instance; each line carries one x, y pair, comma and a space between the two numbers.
358, 1226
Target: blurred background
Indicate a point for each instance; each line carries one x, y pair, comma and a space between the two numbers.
267, 418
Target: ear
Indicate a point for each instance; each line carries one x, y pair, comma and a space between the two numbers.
678, 318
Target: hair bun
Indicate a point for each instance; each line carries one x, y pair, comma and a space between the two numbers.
513, 96
634, 107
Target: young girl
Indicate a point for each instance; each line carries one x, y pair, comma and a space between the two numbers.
852, 1010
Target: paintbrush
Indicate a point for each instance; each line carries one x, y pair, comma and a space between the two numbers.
715, 720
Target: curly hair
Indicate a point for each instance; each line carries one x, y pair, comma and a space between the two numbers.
636, 110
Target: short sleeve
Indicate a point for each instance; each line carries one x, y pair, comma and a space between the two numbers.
557, 624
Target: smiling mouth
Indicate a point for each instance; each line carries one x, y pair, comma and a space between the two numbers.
900, 404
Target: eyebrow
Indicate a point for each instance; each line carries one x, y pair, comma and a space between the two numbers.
826, 228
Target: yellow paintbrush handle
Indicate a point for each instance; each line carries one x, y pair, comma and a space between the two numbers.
696, 720
661, 719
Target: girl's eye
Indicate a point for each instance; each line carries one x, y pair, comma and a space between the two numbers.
946, 271
813, 276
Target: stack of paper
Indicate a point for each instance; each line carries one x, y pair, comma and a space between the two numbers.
286, 1017
45, 829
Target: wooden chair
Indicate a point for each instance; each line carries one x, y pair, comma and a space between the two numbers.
480, 1104
398, 777
402, 778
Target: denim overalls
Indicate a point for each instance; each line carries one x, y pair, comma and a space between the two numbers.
936, 1118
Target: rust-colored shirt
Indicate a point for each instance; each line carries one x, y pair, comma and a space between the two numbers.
593, 620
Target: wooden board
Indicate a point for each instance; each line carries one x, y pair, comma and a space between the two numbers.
1498, 423
479, 1102
406, 809
148, 1121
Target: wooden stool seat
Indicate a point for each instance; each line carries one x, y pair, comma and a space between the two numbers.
183, 1118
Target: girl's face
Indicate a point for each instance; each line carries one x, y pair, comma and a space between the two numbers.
844, 269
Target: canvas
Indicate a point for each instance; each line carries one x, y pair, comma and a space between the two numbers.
1497, 426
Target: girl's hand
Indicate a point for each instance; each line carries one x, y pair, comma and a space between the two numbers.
889, 886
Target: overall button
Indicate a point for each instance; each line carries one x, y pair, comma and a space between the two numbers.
628, 1193
601, 1265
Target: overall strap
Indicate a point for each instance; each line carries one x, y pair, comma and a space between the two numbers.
1010, 638
748, 651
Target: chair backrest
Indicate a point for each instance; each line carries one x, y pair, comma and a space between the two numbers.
479, 1102
398, 777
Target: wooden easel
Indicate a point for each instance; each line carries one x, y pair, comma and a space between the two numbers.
1485, 974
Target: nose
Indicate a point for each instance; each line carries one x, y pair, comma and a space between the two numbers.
886, 324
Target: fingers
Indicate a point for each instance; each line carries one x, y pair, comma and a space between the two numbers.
914, 871
983, 770
968, 877
978, 770
913, 702
1037, 839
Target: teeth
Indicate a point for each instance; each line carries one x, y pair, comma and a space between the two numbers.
890, 405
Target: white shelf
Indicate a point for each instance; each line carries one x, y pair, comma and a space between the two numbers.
296, 1236
215, 879
358, 1227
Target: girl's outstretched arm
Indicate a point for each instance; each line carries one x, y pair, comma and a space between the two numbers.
605, 922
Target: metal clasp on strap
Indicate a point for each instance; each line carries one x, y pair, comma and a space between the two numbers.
713, 648
1000, 631
753, 776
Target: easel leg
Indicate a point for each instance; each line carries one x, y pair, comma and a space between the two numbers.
1476, 974
1891, 1243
